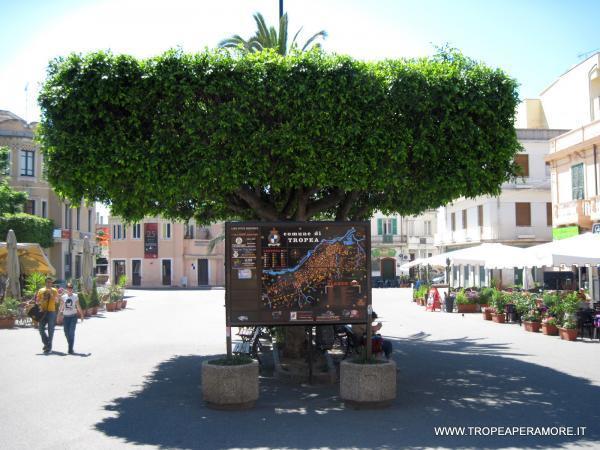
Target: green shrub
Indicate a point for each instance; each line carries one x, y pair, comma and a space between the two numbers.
94, 299
28, 228
485, 296
33, 283
499, 300
569, 324
9, 307
83, 300
461, 298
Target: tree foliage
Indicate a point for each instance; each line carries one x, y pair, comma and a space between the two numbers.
268, 37
271, 137
11, 201
28, 228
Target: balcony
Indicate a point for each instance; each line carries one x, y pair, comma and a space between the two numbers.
575, 212
388, 239
591, 208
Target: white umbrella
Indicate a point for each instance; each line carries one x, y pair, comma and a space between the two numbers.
577, 250
13, 269
87, 265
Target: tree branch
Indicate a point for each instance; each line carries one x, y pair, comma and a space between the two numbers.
345, 206
264, 210
291, 204
325, 203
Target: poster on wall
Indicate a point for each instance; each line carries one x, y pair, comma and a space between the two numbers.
297, 272
151, 240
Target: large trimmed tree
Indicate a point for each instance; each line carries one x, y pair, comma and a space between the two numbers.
270, 137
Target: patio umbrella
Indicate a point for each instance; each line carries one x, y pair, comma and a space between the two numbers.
13, 270
31, 259
87, 265
577, 250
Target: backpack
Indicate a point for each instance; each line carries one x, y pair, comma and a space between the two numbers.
36, 313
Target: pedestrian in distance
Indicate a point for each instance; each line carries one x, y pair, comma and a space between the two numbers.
69, 307
47, 299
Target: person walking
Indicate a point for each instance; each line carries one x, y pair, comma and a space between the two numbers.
47, 298
69, 307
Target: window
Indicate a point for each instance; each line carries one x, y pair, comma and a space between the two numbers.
464, 218
523, 213
27, 163
119, 232
549, 214
67, 222
453, 221
577, 182
89, 219
547, 169
44, 209
30, 207
386, 226
189, 231
480, 215
137, 231
428, 228
522, 160
78, 218
166, 230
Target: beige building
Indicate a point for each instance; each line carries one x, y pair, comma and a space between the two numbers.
159, 253
71, 222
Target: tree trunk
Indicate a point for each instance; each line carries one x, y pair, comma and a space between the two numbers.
294, 345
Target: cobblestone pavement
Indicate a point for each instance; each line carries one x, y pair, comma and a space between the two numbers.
135, 383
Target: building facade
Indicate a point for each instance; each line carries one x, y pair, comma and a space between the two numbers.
520, 216
72, 223
397, 239
157, 252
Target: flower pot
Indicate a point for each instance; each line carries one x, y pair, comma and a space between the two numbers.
568, 334
533, 327
368, 385
498, 318
111, 307
230, 387
119, 304
7, 322
124, 304
549, 329
467, 308
87, 312
487, 314
94, 310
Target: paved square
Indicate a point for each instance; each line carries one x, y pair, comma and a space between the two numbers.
136, 383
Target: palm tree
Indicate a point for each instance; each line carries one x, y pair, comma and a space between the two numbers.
268, 37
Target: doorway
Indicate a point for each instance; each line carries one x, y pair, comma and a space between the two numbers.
136, 272
118, 270
203, 272
388, 268
166, 272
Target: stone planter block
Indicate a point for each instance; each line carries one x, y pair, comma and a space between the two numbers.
368, 385
230, 387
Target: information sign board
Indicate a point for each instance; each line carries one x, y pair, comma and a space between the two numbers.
297, 272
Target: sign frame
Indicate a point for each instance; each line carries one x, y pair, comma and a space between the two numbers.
229, 317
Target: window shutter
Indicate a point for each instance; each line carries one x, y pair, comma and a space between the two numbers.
394, 226
523, 214
577, 181
379, 227
549, 214
522, 160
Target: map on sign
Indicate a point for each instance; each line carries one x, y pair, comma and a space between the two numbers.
290, 272
338, 261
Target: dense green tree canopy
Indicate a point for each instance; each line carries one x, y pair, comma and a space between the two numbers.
271, 137
11, 201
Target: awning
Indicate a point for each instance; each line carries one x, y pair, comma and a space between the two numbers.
31, 259
577, 250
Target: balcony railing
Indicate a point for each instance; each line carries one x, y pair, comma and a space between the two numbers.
591, 208
388, 239
574, 212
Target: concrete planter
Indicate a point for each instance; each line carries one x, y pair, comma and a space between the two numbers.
368, 385
230, 387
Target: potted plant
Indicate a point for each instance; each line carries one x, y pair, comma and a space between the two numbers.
531, 321
94, 300
230, 382
549, 327
498, 303
8, 312
122, 283
485, 300
84, 304
568, 331
464, 303
367, 383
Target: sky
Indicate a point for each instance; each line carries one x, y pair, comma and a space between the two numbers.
534, 41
